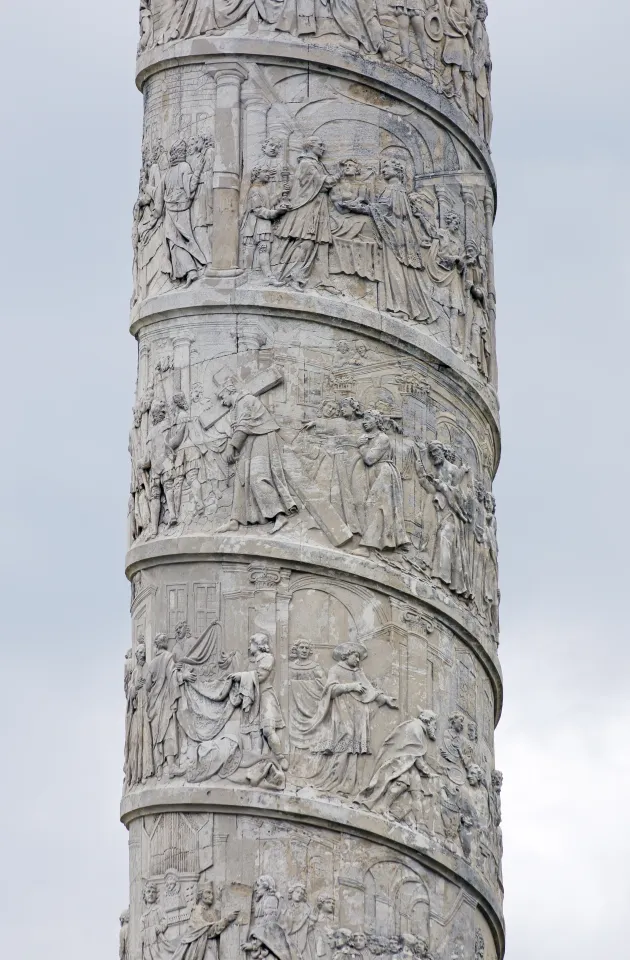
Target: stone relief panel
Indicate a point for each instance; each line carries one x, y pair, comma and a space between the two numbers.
323, 187
269, 889
295, 431
307, 686
443, 43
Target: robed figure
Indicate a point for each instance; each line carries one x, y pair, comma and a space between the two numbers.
403, 750
138, 740
204, 929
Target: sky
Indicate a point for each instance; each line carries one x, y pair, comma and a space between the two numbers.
71, 121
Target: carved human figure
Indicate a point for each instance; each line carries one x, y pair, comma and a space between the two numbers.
399, 762
163, 694
492, 594
342, 726
480, 946
187, 18
482, 70
410, 18
128, 670
323, 925
138, 743
173, 205
266, 935
123, 937
384, 516
478, 797
159, 460
203, 927
450, 562
154, 944
304, 230
147, 241
456, 751
298, 920
261, 715
446, 264
404, 237
337, 456
191, 450
146, 25
270, 160
307, 680
341, 947
355, 241
140, 486
261, 492
494, 800
457, 52
202, 157
480, 552
261, 209
357, 21
478, 347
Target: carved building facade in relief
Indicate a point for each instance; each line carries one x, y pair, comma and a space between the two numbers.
312, 685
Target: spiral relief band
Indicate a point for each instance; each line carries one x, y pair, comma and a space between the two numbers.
313, 683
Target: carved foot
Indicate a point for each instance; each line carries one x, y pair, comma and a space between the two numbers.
230, 527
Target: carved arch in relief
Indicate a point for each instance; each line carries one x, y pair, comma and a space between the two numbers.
366, 611
396, 900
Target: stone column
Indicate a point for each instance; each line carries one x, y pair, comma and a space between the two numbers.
313, 682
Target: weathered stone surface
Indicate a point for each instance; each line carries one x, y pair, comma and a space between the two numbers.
313, 683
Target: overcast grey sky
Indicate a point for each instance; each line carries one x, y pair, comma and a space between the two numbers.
71, 138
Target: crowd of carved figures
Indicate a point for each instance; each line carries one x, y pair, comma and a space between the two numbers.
443, 42
195, 712
228, 464
316, 226
277, 924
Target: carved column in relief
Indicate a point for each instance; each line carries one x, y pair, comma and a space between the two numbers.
313, 682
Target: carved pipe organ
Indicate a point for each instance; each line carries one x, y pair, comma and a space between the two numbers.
312, 686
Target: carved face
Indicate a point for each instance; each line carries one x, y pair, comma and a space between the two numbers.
350, 168
369, 422
431, 728
141, 656
353, 659
227, 397
207, 896
394, 944
347, 410
329, 409
437, 456
475, 776
261, 887
390, 170
457, 724
359, 941
181, 631
340, 938
196, 392
327, 905
298, 894
303, 650
317, 147
150, 894
271, 148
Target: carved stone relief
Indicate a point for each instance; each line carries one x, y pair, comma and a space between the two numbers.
443, 43
247, 686
291, 430
276, 889
340, 191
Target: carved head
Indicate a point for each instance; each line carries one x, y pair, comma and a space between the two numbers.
480, 491
350, 167
429, 722
473, 733
179, 400
341, 938
482, 10
350, 408
394, 944
124, 918
497, 780
358, 941
141, 655
157, 151
228, 393
297, 893
456, 722
450, 454
259, 643
475, 776
491, 504
393, 169
158, 412
315, 145
326, 904
182, 630
472, 251
161, 642
350, 653
205, 894
302, 650
436, 453
373, 420
129, 654
330, 409
261, 174
150, 893
263, 885
178, 152
196, 392
343, 347
361, 348
271, 147
171, 878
